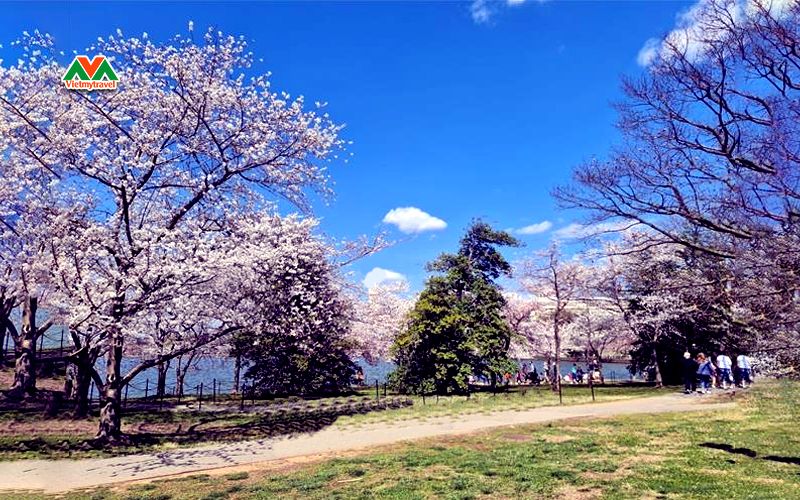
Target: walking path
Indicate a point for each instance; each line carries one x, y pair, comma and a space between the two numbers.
63, 475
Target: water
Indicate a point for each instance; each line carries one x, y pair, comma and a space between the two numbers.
221, 370
207, 371
611, 371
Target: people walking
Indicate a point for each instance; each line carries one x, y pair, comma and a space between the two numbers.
705, 372
579, 375
714, 381
533, 376
744, 370
689, 373
724, 365
595, 373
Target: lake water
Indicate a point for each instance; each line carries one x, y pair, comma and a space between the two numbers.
221, 370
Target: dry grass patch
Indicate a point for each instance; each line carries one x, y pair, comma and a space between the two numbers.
517, 437
626, 468
768, 480
48, 427
579, 493
557, 438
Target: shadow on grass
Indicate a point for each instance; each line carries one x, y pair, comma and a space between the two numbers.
751, 453
217, 427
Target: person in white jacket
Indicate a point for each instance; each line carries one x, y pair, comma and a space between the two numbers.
724, 366
744, 370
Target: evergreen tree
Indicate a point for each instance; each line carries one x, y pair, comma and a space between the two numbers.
456, 328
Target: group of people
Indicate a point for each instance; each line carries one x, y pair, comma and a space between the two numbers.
701, 373
528, 374
358, 377
577, 375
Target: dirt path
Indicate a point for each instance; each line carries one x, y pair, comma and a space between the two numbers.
63, 475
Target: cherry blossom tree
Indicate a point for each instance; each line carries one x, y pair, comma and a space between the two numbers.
673, 299
562, 284
709, 157
379, 314
643, 316
300, 321
599, 331
167, 164
523, 314
33, 201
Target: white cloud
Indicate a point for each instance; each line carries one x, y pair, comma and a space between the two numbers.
482, 11
776, 8
380, 275
648, 52
539, 227
694, 27
413, 220
576, 231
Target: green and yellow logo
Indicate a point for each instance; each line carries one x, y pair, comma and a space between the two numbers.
96, 74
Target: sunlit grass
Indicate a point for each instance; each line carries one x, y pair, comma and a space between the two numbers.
226, 417
517, 398
639, 456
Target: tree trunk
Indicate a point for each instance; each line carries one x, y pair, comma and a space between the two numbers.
69, 382
182, 369
557, 369
3, 340
83, 368
83, 380
25, 366
161, 383
6, 306
237, 372
180, 376
110, 406
657, 374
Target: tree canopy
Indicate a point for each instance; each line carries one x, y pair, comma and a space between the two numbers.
456, 329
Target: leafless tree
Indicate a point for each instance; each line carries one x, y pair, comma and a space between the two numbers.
711, 134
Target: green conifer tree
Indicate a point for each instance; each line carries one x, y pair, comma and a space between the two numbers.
456, 328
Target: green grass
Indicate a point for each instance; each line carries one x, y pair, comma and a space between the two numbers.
70, 443
517, 398
643, 456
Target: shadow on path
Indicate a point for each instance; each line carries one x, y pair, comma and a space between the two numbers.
284, 421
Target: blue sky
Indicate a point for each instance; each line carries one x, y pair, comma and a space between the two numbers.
459, 109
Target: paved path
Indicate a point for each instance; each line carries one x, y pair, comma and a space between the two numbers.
63, 475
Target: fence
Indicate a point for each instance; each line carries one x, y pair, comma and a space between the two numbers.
50, 345
147, 393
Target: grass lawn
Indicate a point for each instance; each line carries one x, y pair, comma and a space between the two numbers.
25, 435
516, 398
751, 451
